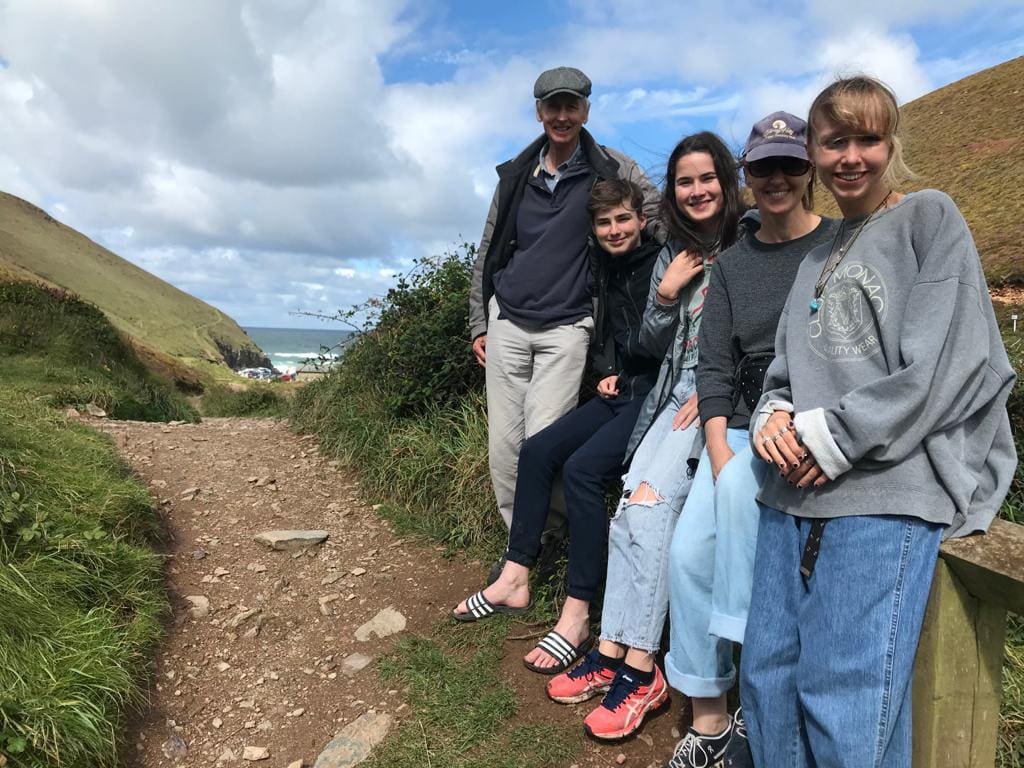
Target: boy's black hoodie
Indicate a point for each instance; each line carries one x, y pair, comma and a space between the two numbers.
621, 284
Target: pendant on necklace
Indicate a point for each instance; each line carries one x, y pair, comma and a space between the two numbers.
815, 305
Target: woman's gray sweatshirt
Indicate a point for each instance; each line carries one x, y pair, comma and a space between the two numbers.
899, 380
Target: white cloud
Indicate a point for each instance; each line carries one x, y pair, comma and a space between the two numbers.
265, 154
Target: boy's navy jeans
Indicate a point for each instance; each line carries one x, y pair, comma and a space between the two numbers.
588, 445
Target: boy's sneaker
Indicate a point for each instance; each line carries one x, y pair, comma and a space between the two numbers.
737, 753
696, 750
584, 681
625, 705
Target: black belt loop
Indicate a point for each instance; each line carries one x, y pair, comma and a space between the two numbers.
812, 547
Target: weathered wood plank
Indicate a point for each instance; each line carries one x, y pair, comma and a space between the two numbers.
957, 677
991, 566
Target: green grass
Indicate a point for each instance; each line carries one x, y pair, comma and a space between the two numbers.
252, 400
463, 711
431, 468
1011, 716
81, 590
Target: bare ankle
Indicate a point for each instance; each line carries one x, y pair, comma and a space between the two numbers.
710, 725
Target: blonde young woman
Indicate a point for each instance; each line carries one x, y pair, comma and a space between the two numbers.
884, 422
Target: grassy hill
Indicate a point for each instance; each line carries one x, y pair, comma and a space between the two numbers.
160, 320
966, 139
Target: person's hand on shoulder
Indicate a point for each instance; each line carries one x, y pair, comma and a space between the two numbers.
678, 274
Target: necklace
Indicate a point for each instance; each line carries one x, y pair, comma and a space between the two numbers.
837, 254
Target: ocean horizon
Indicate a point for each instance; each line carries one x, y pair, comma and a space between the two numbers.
296, 346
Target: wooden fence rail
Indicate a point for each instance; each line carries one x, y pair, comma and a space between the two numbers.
957, 678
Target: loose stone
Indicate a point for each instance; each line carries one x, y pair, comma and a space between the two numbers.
291, 539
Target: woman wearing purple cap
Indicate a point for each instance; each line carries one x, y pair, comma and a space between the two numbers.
712, 552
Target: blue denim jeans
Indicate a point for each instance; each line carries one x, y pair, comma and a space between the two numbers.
636, 588
827, 662
711, 564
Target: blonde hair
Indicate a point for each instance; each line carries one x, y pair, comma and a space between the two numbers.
861, 103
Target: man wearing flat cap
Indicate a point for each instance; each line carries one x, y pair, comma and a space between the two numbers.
530, 307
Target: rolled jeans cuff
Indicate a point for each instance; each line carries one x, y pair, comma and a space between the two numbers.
727, 627
519, 558
699, 687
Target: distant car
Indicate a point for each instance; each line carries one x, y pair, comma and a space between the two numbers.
261, 374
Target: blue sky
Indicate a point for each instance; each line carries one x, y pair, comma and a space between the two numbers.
279, 155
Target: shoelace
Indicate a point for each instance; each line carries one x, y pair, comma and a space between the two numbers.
689, 751
622, 687
589, 666
739, 727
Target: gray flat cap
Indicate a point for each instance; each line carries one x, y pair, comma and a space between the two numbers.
561, 80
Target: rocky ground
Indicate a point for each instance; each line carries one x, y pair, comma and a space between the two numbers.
269, 652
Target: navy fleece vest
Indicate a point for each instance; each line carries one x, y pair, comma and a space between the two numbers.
546, 282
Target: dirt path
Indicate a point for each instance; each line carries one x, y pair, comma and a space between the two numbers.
273, 661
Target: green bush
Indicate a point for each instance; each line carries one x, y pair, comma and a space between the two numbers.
405, 407
417, 354
1011, 715
1014, 508
252, 400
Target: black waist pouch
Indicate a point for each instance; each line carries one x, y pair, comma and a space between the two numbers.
750, 378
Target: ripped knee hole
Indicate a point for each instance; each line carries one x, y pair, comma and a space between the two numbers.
645, 494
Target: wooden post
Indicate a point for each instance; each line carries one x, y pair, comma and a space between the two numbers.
957, 677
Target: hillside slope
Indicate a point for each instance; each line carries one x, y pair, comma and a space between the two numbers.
967, 139
153, 313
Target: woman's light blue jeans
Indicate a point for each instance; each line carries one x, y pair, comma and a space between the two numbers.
711, 565
636, 588
827, 662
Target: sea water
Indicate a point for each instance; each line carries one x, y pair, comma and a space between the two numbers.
295, 346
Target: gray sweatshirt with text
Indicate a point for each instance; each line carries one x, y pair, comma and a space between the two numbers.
899, 380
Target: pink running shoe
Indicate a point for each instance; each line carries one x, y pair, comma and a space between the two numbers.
625, 706
584, 681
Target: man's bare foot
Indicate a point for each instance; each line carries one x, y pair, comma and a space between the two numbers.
511, 589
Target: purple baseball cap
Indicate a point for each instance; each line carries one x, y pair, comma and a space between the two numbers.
778, 135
